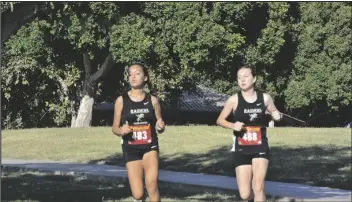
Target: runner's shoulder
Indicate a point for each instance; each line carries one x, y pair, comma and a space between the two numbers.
233, 99
267, 97
154, 99
118, 100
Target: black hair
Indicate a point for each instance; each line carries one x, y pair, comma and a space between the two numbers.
247, 67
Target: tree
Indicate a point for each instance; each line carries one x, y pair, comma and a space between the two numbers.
263, 54
37, 80
321, 79
81, 29
16, 14
76, 49
264, 29
88, 28
180, 41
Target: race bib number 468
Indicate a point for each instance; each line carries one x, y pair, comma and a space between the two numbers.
141, 135
252, 136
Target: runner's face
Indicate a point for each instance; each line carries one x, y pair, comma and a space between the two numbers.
136, 76
245, 79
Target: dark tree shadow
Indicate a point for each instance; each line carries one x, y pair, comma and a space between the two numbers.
326, 166
50, 187
58, 188
316, 165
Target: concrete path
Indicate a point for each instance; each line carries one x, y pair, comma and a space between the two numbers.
288, 191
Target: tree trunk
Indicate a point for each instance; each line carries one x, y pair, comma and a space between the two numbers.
85, 111
84, 117
74, 115
73, 120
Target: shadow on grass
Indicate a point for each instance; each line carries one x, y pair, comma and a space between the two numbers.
51, 187
35, 186
327, 166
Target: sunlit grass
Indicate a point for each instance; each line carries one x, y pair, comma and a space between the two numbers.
317, 156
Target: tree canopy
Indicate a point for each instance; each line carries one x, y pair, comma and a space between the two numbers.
59, 62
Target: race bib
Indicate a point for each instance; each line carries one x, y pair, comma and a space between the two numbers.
252, 136
141, 135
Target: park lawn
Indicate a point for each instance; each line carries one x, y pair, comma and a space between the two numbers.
314, 156
37, 186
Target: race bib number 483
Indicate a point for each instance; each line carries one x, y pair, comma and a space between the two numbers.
141, 135
252, 136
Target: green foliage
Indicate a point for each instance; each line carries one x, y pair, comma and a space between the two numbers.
8, 5
231, 15
188, 43
322, 71
55, 44
33, 71
272, 37
24, 90
301, 53
88, 24
130, 40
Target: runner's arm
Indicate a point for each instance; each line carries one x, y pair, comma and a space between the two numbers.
117, 117
157, 109
269, 103
230, 106
270, 106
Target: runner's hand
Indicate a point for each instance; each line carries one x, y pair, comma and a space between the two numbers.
160, 125
237, 126
276, 115
125, 129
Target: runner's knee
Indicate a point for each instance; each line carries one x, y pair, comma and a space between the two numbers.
245, 194
138, 195
258, 188
151, 185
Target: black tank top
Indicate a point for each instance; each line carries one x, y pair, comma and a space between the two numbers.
253, 139
141, 117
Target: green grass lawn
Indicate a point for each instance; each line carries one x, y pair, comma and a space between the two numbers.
36, 186
315, 156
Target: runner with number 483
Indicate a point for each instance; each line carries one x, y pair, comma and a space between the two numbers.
138, 121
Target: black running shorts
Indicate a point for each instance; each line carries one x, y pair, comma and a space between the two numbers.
134, 154
242, 159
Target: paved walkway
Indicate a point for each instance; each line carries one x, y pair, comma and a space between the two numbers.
286, 190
